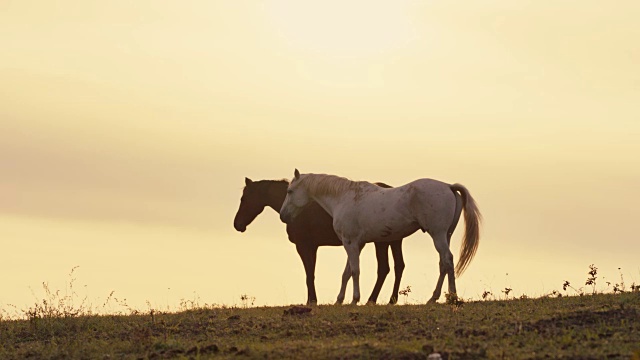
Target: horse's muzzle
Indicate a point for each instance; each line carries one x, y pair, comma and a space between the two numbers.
239, 227
285, 217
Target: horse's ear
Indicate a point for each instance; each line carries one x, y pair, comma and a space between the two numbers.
296, 174
248, 181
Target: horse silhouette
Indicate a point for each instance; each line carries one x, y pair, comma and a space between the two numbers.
363, 212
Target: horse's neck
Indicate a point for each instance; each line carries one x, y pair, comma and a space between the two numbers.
330, 202
275, 195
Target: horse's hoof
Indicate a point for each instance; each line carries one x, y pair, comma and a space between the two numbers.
370, 302
312, 303
393, 301
432, 301
338, 302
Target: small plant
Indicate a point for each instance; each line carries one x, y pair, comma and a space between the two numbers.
619, 287
506, 291
106, 306
192, 304
486, 294
567, 285
405, 293
591, 280
246, 299
634, 287
57, 305
556, 293
453, 299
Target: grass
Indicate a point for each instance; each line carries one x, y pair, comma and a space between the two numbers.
588, 327
573, 324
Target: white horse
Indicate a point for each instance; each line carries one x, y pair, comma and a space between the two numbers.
363, 212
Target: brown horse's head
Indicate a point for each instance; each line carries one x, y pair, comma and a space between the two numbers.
252, 203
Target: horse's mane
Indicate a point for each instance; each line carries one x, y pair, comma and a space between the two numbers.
323, 184
270, 182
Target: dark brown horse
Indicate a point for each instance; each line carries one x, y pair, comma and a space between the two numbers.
312, 228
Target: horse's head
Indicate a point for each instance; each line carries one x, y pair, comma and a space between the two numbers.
297, 198
251, 205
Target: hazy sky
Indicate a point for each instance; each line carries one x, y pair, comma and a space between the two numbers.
127, 128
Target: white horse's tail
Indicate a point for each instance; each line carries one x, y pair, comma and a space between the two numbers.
472, 220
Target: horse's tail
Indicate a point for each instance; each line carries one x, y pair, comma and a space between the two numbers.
472, 220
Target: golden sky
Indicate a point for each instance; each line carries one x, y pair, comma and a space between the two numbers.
127, 128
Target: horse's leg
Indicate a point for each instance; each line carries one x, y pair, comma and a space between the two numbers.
346, 275
382, 256
441, 242
308, 255
353, 253
398, 266
456, 217
438, 291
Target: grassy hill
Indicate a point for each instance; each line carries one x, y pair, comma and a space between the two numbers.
587, 327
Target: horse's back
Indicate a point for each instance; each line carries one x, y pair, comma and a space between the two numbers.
428, 185
423, 201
